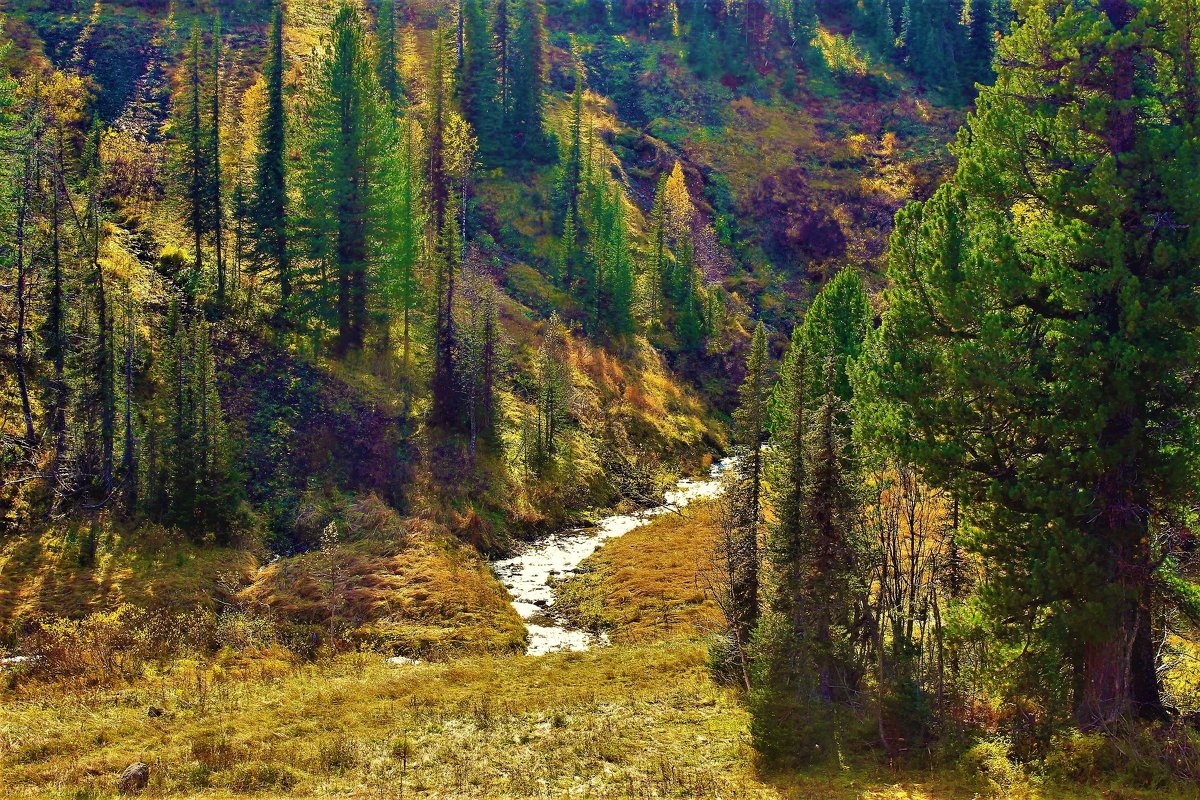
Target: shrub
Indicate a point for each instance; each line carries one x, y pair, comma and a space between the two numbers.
1077, 757
238, 630
989, 763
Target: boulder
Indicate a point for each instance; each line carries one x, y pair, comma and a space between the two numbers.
134, 778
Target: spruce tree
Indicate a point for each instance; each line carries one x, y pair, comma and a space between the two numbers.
480, 85
1043, 322
750, 428
269, 211
388, 60
192, 153
830, 544
216, 200
981, 41
782, 645
527, 76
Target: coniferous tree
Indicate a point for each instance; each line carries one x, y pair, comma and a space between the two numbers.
656, 268
1038, 287
402, 224
388, 65
502, 30
829, 549
621, 277
269, 211
192, 481
192, 153
554, 388
347, 139
836, 326
449, 158
571, 172
982, 40
526, 78
216, 200
784, 661
480, 86
750, 427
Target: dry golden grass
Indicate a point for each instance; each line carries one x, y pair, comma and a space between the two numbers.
650, 583
416, 592
633, 721
41, 577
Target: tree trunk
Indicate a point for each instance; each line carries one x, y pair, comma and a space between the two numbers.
22, 292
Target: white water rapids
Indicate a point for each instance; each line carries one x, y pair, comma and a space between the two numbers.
528, 574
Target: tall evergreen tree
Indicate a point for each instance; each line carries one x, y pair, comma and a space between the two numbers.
750, 428
270, 200
216, 200
480, 86
450, 155
1054, 283
526, 79
982, 41
835, 327
191, 151
388, 60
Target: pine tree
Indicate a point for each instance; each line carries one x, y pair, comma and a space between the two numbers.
1056, 285
836, 326
270, 200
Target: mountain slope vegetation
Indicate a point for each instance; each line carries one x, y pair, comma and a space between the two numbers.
312, 309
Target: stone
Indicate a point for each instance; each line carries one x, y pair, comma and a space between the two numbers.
134, 778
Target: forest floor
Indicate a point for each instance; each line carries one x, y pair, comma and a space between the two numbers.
642, 718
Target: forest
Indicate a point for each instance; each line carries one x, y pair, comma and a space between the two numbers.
600, 398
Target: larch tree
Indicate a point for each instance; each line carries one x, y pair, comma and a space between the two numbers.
347, 136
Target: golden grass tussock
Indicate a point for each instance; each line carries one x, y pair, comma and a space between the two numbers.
419, 592
650, 583
41, 576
